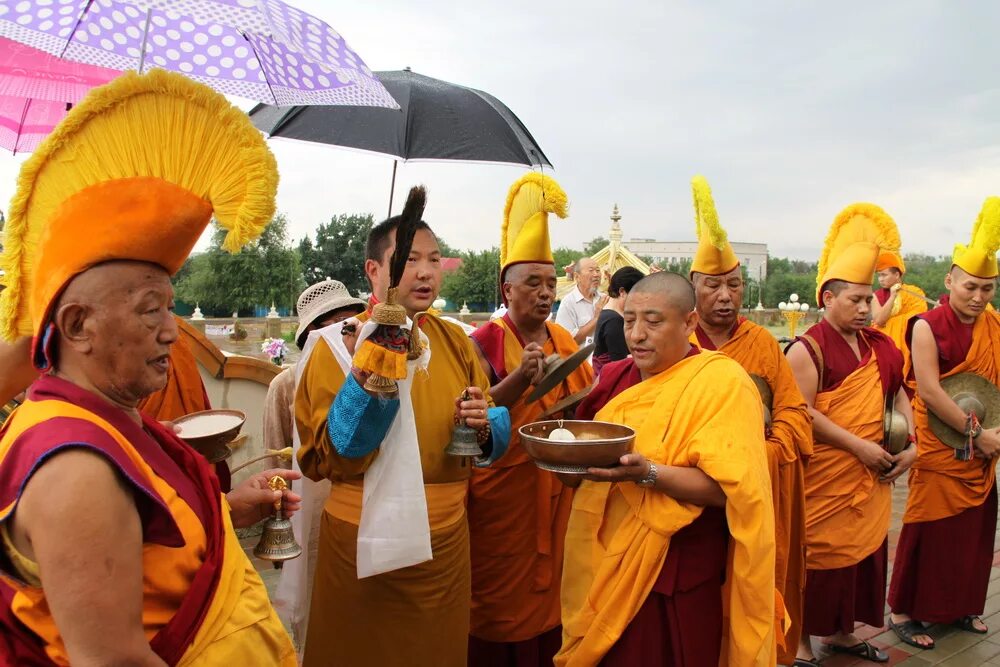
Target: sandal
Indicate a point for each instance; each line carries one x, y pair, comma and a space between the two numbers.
805, 662
968, 623
906, 631
862, 650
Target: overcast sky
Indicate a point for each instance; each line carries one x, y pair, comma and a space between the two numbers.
791, 109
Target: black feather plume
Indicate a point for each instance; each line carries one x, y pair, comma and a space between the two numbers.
412, 214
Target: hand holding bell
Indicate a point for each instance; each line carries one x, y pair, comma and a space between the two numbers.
277, 541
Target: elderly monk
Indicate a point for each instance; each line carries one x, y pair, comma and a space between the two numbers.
895, 305
670, 556
847, 371
517, 511
580, 308
718, 283
118, 546
412, 611
945, 551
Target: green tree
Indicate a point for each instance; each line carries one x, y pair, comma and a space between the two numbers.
594, 245
338, 251
476, 281
564, 257
266, 271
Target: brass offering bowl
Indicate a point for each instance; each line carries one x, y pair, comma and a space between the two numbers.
597, 445
210, 441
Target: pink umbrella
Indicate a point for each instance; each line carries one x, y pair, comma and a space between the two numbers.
36, 91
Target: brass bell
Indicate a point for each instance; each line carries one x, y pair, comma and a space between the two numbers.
277, 542
464, 440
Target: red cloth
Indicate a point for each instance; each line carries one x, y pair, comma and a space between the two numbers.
927, 584
535, 652
836, 599
882, 295
705, 343
839, 359
680, 623
172, 460
953, 337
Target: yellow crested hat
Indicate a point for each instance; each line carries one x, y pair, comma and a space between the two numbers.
858, 235
524, 236
134, 172
979, 258
890, 260
714, 256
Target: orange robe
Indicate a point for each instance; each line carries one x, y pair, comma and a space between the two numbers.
619, 535
906, 307
417, 615
203, 602
789, 445
518, 512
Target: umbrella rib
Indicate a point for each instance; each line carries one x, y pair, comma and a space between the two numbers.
145, 36
262, 69
20, 126
79, 20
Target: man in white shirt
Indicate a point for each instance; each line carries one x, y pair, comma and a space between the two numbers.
579, 310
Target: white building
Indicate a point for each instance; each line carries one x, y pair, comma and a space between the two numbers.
751, 255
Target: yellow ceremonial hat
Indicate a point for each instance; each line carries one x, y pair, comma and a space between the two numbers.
524, 236
858, 235
134, 172
890, 260
714, 256
979, 258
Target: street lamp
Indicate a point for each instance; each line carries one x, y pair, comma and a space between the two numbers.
793, 311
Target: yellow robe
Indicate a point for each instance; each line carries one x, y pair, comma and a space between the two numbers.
619, 534
906, 306
789, 445
417, 615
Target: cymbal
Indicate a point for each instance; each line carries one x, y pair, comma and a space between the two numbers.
895, 430
566, 403
972, 393
557, 370
766, 397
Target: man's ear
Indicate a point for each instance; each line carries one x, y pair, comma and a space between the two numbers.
72, 321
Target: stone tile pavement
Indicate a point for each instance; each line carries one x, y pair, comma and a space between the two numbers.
953, 647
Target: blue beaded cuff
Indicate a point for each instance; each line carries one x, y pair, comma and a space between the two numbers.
499, 419
357, 422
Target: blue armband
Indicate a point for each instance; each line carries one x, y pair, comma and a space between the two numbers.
357, 422
499, 419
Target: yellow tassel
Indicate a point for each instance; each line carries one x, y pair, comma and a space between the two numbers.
531, 194
986, 230
373, 358
159, 124
857, 223
706, 218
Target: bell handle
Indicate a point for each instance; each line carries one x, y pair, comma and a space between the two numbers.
283, 454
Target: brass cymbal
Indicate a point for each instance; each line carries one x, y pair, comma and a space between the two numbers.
566, 403
972, 393
557, 370
766, 397
895, 430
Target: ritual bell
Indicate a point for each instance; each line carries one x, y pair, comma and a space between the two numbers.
464, 440
277, 542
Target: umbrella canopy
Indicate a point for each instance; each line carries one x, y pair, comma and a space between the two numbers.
36, 92
437, 121
263, 50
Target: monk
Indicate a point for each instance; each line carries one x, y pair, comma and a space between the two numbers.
118, 546
789, 435
648, 577
416, 614
517, 511
847, 371
945, 551
896, 303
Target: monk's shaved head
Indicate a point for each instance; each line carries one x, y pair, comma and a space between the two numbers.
678, 289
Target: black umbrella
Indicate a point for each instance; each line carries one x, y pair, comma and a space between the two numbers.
437, 120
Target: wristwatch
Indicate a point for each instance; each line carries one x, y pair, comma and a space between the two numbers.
650, 479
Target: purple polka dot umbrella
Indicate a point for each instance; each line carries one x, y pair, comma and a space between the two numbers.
263, 50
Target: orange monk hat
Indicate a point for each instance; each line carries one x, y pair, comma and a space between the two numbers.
858, 235
134, 172
714, 256
890, 260
979, 258
524, 234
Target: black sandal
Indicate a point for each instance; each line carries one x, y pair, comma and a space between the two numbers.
906, 631
968, 623
862, 650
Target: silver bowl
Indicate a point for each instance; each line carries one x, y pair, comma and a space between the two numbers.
597, 445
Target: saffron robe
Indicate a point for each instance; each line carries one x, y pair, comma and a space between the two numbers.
518, 513
203, 602
619, 535
905, 308
951, 511
847, 508
416, 615
789, 445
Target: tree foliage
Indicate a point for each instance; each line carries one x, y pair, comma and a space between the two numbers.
338, 251
476, 281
